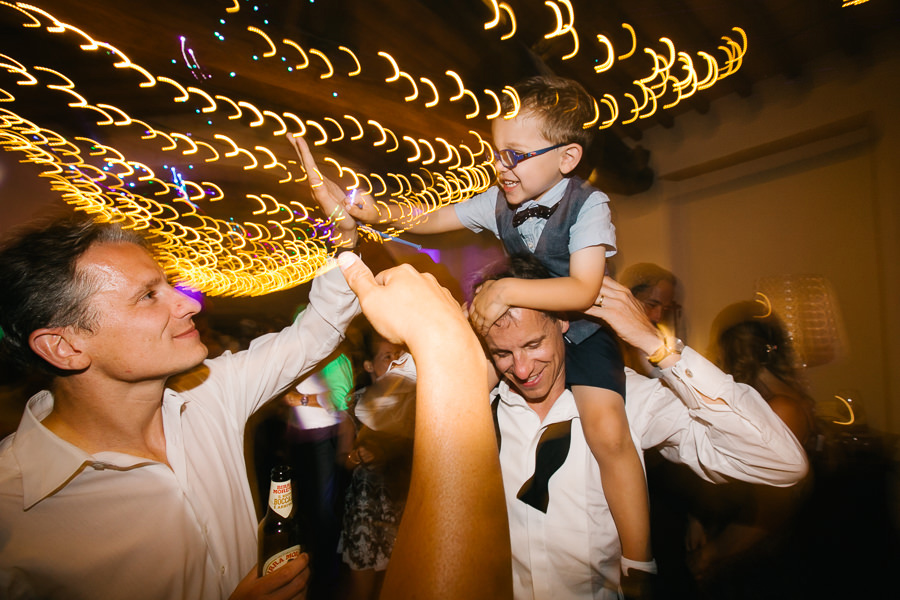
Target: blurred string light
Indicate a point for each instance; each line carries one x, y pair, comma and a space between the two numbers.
216, 256
673, 74
286, 245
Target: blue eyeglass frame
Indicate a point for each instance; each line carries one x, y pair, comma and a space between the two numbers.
518, 157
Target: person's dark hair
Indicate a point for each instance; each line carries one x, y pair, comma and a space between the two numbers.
41, 284
563, 105
641, 277
749, 346
518, 266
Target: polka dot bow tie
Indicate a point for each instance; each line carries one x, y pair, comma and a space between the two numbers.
541, 212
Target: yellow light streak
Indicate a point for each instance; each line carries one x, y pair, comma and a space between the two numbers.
322, 131
496, 113
496, 20
393, 63
340, 129
393, 137
356, 122
849, 408
434, 92
610, 55
215, 155
630, 30
298, 121
514, 95
282, 128
211, 103
431, 149
192, 147
126, 120
418, 151
259, 118
712, 71
474, 113
378, 126
184, 93
329, 69
459, 82
234, 147
238, 112
358, 69
596, 118
412, 82
297, 47
273, 162
272, 51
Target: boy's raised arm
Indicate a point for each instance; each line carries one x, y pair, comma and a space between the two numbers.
344, 209
576, 292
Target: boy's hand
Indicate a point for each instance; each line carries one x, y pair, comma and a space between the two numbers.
338, 206
488, 305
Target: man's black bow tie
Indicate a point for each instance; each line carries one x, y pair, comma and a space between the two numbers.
542, 212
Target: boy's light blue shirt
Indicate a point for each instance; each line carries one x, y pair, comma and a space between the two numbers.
592, 228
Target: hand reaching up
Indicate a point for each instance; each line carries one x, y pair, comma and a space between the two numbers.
338, 206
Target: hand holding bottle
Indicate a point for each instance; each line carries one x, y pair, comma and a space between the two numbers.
287, 583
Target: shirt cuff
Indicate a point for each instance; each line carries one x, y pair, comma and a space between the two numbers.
699, 374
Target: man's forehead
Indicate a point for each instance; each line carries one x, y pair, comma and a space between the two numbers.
113, 265
520, 323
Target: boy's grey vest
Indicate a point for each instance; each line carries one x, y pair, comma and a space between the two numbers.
553, 246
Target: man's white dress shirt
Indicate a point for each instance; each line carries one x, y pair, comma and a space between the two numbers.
87, 527
572, 551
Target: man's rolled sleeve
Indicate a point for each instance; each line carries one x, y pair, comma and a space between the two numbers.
743, 436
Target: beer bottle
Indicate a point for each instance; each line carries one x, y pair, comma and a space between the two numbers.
279, 536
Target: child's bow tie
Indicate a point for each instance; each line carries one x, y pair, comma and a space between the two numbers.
541, 212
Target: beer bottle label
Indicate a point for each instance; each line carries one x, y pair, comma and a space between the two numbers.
279, 560
280, 498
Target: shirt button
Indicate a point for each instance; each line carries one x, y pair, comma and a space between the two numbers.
222, 569
688, 373
98, 466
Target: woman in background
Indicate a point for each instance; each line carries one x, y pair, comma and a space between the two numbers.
743, 538
381, 462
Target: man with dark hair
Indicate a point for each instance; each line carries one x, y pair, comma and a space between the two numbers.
563, 539
119, 485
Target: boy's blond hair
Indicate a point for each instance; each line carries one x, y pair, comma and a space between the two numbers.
562, 104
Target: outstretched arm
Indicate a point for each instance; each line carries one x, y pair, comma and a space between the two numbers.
702, 418
345, 208
453, 540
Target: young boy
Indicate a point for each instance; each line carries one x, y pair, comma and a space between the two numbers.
539, 207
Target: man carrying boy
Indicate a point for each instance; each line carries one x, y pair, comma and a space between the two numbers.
539, 208
564, 543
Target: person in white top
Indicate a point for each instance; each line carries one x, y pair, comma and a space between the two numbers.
563, 539
122, 483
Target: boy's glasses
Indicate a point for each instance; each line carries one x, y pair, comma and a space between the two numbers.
510, 158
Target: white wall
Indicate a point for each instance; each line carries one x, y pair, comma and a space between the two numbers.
799, 179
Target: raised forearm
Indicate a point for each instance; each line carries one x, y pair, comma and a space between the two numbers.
454, 536
556, 294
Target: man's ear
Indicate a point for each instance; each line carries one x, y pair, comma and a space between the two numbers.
563, 326
369, 366
571, 156
59, 347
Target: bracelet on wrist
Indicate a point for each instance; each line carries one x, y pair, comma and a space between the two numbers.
665, 350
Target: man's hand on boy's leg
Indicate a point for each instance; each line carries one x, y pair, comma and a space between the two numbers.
488, 305
340, 207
